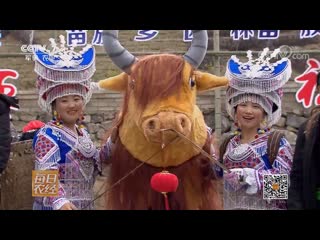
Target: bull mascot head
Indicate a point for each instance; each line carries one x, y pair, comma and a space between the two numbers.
160, 94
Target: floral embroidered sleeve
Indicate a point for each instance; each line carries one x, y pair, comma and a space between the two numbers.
106, 150
218, 170
96, 155
281, 165
47, 155
214, 153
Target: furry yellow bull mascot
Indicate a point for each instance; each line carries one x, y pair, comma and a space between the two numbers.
158, 123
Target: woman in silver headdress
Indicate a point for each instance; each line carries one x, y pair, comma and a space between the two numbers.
63, 144
254, 102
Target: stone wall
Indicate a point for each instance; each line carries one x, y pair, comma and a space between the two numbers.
103, 106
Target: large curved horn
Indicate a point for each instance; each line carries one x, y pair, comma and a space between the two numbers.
198, 48
118, 54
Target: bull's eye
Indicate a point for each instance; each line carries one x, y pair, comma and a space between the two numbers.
192, 83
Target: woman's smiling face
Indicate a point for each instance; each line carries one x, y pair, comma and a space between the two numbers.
249, 115
69, 108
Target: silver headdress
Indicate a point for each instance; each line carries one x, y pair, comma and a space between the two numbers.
258, 81
63, 71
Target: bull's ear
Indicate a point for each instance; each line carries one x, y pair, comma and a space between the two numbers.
206, 81
117, 83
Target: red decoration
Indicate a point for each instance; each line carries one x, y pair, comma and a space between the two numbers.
33, 125
309, 83
164, 182
8, 88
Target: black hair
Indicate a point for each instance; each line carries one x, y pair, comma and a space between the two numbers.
53, 107
28, 135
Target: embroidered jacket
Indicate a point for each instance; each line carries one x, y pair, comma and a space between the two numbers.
253, 159
77, 161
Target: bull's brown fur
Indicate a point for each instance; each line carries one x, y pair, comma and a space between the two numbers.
157, 77
161, 84
198, 187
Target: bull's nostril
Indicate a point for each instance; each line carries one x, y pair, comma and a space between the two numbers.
183, 123
152, 124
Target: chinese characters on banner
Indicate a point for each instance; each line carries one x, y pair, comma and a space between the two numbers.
309, 33
8, 88
247, 34
80, 38
145, 35
308, 79
77, 37
45, 183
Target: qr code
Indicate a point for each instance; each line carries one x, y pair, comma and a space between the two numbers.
275, 186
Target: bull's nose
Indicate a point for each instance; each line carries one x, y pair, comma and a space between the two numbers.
152, 124
176, 121
182, 123
166, 120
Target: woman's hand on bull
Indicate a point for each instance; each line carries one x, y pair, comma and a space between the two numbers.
235, 178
